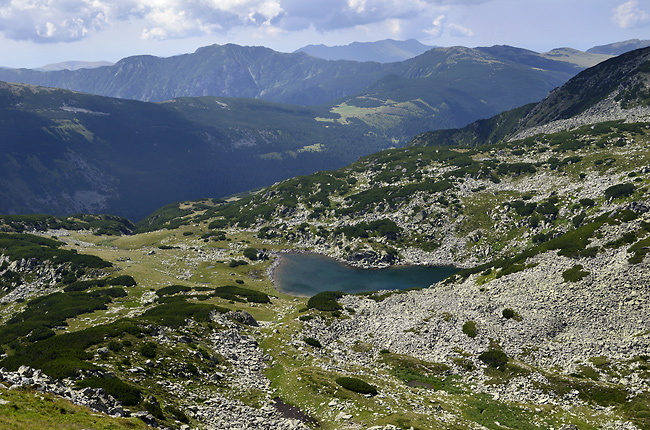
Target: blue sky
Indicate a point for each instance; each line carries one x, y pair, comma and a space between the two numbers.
37, 32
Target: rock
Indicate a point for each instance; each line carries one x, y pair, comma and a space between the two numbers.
25, 371
146, 417
103, 350
343, 416
242, 317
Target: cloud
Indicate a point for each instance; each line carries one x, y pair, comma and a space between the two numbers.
70, 20
50, 21
460, 31
438, 26
630, 15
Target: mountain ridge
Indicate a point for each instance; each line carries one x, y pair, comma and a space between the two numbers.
615, 89
231, 70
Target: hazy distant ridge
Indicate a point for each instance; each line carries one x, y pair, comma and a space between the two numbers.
382, 51
619, 48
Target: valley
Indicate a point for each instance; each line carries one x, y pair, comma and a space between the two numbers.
175, 321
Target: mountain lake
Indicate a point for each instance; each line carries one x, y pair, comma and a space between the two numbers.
304, 274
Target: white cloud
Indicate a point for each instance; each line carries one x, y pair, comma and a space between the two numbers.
70, 20
51, 21
630, 15
438, 26
460, 31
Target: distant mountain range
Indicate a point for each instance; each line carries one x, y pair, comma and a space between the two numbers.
257, 72
619, 48
73, 65
382, 51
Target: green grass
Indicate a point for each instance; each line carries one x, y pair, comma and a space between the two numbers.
31, 410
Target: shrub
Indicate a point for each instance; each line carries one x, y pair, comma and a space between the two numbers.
235, 263
40, 333
174, 313
587, 202
154, 409
493, 358
125, 393
325, 301
469, 328
149, 350
234, 293
250, 253
574, 274
508, 313
356, 385
115, 346
313, 342
84, 285
124, 280
178, 414
620, 190
171, 290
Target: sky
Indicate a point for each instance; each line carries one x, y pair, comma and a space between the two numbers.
34, 33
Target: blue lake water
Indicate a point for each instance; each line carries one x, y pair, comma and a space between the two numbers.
307, 274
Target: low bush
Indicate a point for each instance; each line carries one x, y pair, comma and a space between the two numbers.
154, 409
124, 280
574, 274
493, 358
508, 313
149, 350
312, 342
619, 190
325, 301
115, 345
52, 310
250, 253
120, 390
356, 385
469, 328
235, 263
171, 290
238, 294
178, 414
174, 313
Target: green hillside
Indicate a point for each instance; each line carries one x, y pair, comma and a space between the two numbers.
65, 152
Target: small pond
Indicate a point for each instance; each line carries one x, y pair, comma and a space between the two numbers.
303, 274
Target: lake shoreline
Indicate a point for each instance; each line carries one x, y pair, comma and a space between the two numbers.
340, 275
